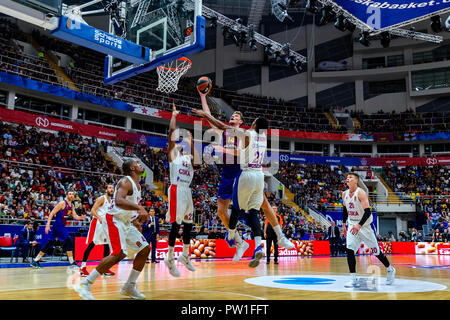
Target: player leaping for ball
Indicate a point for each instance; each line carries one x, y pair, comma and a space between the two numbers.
357, 211
229, 172
181, 207
123, 219
248, 187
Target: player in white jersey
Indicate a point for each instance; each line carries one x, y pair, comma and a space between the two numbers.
123, 219
181, 207
357, 213
97, 233
224, 195
248, 186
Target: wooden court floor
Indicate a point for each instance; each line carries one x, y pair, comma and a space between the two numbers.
225, 280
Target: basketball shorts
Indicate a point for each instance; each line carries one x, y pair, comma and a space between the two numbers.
225, 188
60, 233
248, 190
181, 207
97, 232
123, 236
365, 235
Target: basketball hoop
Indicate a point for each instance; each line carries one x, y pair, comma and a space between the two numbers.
170, 73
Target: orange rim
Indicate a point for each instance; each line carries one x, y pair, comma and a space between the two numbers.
181, 59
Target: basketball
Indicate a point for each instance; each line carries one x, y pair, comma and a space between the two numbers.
204, 85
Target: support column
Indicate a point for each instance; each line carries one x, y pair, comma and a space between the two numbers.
128, 124
11, 100
359, 96
310, 31
74, 113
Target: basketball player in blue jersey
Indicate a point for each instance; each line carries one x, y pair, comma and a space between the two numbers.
61, 211
232, 169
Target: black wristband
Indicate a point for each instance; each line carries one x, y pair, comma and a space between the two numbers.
366, 216
344, 215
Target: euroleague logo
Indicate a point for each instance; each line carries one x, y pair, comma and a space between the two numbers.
336, 283
42, 122
431, 161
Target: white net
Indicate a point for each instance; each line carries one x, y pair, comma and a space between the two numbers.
170, 73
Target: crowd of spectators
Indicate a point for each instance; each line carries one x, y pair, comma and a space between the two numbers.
282, 114
424, 180
14, 60
398, 123
313, 185
37, 168
86, 69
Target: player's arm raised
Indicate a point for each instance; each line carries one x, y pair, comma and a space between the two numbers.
206, 109
219, 124
58, 207
123, 188
98, 203
172, 127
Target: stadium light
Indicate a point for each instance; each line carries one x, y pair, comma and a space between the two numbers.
436, 24
214, 22
268, 49
311, 6
298, 66
327, 14
340, 23
385, 39
349, 25
364, 39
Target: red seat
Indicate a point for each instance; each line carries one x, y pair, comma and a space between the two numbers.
5, 241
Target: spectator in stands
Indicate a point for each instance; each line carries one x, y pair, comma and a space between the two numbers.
392, 237
215, 234
414, 235
437, 236
420, 237
204, 232
445, 236
402, 236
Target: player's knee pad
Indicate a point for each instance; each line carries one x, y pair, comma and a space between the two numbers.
173, 233
187, 227
254, 223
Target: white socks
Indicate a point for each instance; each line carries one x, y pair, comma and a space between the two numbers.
186, 250
38, 257
70, 259
278, 231
134, 274
390, 268
90, 279
257, 242
353, 277
238, 238
231, 233
83, 265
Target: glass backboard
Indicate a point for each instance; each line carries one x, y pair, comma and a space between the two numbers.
170, 28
